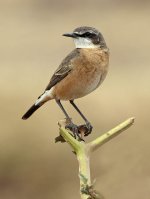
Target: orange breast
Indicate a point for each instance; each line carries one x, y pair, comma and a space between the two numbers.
89, 70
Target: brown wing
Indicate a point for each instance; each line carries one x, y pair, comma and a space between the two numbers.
64, 69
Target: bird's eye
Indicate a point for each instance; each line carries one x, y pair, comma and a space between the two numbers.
88, 34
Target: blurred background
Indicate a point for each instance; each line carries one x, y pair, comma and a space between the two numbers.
31, 48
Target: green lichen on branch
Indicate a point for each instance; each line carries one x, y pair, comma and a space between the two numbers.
89, 189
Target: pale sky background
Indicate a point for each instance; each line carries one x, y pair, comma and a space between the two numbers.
31, 48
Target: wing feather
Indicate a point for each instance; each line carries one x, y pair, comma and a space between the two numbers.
64, 69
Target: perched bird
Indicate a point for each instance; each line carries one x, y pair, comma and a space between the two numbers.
80, 73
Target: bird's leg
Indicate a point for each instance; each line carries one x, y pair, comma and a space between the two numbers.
88, 125
71, 125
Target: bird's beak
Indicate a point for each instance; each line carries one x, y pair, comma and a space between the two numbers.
73, 35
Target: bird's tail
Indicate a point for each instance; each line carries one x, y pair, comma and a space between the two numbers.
46, 96
31, 110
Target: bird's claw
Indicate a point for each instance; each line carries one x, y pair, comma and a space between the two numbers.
89, 127
74, 128
86, 128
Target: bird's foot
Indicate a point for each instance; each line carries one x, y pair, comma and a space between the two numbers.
86, 128
74, 128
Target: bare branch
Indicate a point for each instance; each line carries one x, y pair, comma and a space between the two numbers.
82, 151
111, 134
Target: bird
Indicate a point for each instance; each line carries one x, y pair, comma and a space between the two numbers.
80, 73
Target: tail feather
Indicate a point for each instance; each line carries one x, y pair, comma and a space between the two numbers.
47, 95
30, 111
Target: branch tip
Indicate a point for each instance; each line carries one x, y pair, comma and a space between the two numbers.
111, 134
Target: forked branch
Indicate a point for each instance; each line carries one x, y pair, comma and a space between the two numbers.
83, 151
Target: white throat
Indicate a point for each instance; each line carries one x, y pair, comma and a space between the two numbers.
82, 42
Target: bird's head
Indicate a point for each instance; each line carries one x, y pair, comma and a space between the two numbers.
87, 37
